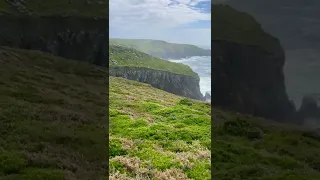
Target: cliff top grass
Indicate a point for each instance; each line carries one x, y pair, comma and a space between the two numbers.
157, 135
53, 123
125, 56
156, 47
231, 25
154, 133
53, 117
251, 148
86, 8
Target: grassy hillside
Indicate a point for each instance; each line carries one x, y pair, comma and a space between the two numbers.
159, 48
239, 27
53, 123
254, 149
57, 7
53, 117
157, 134
130, 57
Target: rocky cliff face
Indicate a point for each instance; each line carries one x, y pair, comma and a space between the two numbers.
174, 83
296, 23
79, 38
309, 112
248, 77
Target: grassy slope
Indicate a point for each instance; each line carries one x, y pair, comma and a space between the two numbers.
235, 26
131, 57
53, 117
156, 46
53, 120
53, 123
284, 152
60, 7
157, 134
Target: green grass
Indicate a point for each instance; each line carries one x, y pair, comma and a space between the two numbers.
159, 48
157, 135
251, 148
53, 117
53, 123
96, 8
131, 57
53, 126
240, 27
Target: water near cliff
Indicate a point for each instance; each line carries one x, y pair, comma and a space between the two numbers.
202, 66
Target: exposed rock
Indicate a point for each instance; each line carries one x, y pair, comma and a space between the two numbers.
248, 75
297, 24
207, 97
309, 112
76, 38
309, 104
178, 84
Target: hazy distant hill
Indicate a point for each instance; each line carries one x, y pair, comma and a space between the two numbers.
162, 49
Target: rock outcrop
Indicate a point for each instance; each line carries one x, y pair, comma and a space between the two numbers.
178, 84
309, 112
297, 25
207, 97
172, 77
79, 38
247, 67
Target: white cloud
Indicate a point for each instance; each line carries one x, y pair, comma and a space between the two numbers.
156, 18
195, 2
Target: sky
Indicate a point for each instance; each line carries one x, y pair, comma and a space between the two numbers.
176, 21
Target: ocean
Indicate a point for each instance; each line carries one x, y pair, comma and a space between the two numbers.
202, 66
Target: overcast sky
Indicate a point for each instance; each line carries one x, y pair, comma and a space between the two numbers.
178, 21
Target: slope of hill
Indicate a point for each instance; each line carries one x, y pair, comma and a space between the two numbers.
132, 58
157, 135
162, 49
250, 148
53, 117
53, 125
172, 77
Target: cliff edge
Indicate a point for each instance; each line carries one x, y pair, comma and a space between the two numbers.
74, 30
247, 66
175, 78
